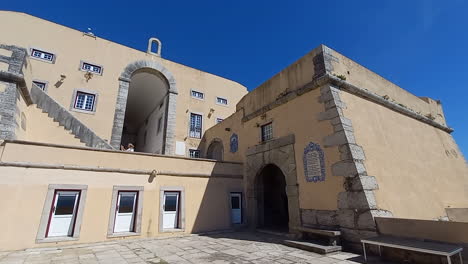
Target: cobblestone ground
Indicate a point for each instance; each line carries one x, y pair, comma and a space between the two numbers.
238, 247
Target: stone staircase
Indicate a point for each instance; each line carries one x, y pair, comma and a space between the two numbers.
62, 116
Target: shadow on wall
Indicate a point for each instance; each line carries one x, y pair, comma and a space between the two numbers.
215, 212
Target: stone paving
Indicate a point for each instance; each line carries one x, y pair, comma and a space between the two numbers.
238, 247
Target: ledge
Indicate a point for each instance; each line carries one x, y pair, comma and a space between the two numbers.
32, 143
114, 170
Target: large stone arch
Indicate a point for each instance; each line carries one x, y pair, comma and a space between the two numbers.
124, 84
278, 152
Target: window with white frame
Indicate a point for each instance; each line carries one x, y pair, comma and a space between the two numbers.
219, 120
195, 125
198, 95
194, 153
41, 85
267, 131
222, 101
39, 54
84, 101
85, 66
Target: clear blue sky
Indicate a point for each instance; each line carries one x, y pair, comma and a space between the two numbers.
421, 45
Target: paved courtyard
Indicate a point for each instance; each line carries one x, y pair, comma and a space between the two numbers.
239, 247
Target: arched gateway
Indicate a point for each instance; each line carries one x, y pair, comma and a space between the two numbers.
146, 108
271, 185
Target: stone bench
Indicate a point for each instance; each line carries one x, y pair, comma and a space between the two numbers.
446, 250
333, 236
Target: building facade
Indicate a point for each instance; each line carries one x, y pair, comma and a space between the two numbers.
324, 144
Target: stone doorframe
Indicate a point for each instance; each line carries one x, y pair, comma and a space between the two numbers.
121, 104
279, 152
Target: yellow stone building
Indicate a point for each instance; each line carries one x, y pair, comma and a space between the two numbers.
324, 145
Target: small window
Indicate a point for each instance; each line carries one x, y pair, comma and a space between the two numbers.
195, 125
219, 120
198, 95
267, 132
41, 85
194, 153
42, 55
221, 101
160, 124
84, 101
91, 68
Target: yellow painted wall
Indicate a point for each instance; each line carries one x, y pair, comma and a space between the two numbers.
206, 203
71, 46
206, 197
298, 117
364, 78
420, 169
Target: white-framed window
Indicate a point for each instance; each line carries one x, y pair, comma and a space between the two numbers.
221, 101
42, 55
219, 120
195, 125
194, 153
198, 95
84, 101
42, 85
126, 211
93, 68
62, 213
267, 131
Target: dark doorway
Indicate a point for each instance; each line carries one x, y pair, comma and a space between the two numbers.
272, 199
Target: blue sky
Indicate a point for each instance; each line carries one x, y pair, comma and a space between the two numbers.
421, 45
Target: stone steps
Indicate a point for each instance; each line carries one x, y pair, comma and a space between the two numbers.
312, 246
62, 116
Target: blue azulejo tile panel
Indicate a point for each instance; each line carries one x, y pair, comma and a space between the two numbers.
314, 163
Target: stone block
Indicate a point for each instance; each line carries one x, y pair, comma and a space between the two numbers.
348, 169
327, 217
309, 217
366, 220
346, 218
329, 114
351, 152
360, 183
357, 200
355, 235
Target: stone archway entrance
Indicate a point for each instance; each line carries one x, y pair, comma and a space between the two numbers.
272, 201
154, 130
265, 163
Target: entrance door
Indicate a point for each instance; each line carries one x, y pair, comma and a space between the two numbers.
125, 213
171, 210
63, 213
236, 208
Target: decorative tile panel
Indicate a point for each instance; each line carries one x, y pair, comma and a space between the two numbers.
234, 143
314, 163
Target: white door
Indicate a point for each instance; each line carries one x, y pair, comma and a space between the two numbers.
171, 210
63, 213
236, 208
125, 212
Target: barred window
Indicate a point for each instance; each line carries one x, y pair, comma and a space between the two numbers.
195, 125
41, 85
221, 100
47, 56
267, 132
194, 153
198, 95
91, 68
84, 101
